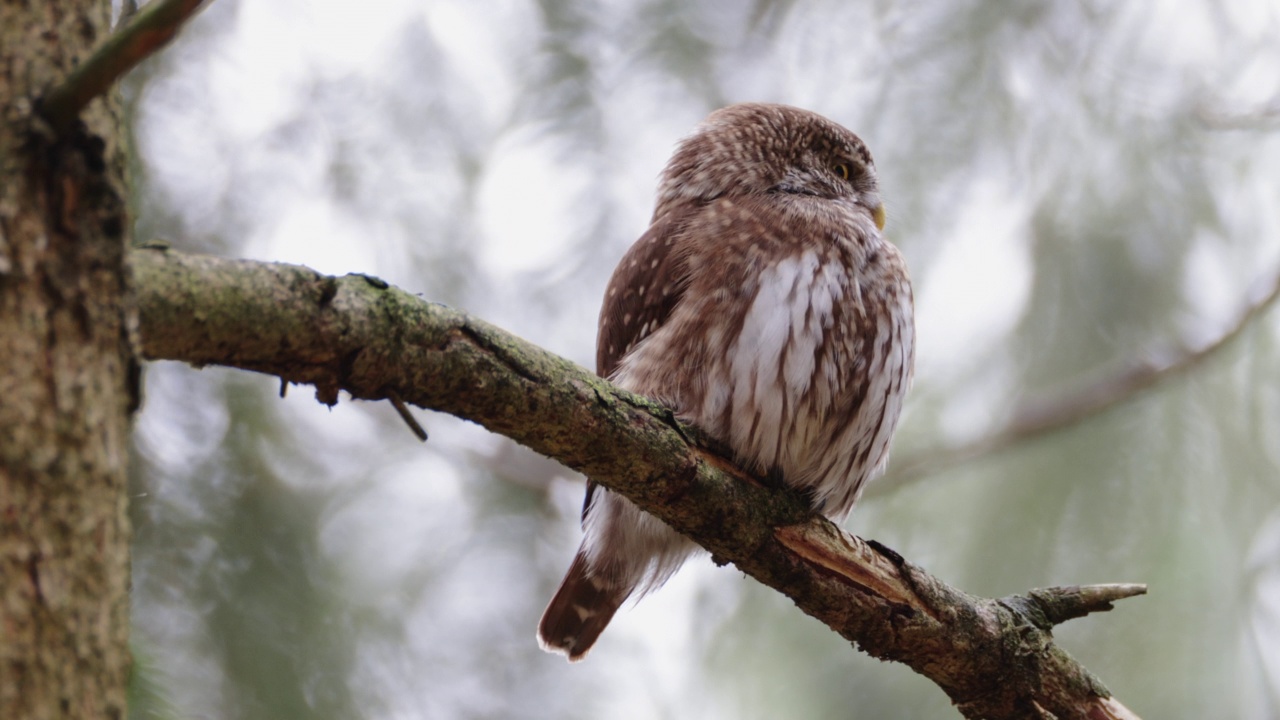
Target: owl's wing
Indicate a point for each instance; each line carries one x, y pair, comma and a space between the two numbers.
645, 287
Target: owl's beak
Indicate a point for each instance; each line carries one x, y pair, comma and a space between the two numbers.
879, 216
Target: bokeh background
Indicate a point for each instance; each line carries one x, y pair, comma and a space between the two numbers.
1080, 188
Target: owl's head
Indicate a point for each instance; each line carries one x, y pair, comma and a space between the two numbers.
761, 148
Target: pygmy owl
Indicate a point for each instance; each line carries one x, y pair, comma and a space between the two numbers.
763, 306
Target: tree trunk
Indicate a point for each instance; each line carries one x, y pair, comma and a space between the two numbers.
66, 366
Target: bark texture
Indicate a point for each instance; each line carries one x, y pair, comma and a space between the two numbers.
65, 384
994, 658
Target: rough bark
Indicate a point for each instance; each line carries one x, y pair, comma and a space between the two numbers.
994, 658
64, 389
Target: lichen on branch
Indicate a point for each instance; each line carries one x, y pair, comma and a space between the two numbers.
993, 658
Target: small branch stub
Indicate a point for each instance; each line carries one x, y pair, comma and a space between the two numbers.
1060, 604
148, 30
1046, 607
408, 418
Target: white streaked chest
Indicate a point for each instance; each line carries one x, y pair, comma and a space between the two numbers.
781, 371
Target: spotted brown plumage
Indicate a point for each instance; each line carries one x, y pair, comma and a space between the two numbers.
763, 306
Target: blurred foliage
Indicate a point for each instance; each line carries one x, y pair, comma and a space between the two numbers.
1078, 187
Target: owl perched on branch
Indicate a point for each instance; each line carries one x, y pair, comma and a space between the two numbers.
763, 306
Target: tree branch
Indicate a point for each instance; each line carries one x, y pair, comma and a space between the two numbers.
994, 658
1038, 420
146, 31
1266, 117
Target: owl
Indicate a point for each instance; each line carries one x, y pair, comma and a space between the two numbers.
763, 306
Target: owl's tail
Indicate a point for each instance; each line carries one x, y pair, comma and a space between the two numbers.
580, 611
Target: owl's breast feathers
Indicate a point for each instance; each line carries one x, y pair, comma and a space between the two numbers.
779, 324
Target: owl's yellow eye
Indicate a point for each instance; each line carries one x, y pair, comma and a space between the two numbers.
841, 169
